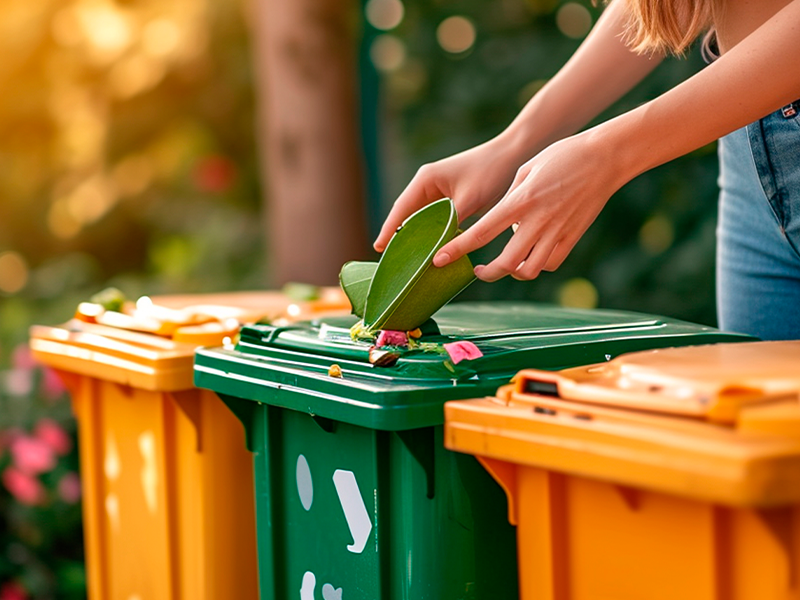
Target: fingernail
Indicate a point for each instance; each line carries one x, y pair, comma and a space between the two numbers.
441, 259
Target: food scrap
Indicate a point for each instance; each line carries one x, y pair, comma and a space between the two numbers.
462, 350
391, 338
335, 370
382, 358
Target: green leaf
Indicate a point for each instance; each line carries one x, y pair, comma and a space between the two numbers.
110, 299
406, 288
301, 292
355, 278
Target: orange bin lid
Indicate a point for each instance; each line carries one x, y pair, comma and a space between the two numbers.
718, 422
153, 347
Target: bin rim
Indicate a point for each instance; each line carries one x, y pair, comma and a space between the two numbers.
736, 448
289, 366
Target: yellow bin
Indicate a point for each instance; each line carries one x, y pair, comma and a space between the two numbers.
168, 485
663, 475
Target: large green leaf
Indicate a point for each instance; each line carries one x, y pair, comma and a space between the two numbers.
355, 278
406, 288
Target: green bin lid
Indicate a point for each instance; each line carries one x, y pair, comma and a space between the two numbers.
288, 366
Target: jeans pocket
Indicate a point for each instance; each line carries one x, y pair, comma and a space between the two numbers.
775, 141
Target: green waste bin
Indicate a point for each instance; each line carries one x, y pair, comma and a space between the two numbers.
356, 497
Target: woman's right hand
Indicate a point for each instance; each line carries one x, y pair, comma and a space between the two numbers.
475, 179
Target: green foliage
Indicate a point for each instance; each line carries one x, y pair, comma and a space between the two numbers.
128, 160
129, 154
41, 550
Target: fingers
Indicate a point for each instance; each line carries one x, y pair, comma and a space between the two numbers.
481, 233
559, 253
427, 186
511, 258
408, 202
529, 252
536, 260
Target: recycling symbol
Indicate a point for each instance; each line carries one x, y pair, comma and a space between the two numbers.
355, 513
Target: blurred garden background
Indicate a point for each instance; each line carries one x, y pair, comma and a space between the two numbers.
129, 156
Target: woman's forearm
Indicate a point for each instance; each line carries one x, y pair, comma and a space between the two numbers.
600, 72
757, 76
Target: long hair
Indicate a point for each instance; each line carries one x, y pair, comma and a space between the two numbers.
668, 26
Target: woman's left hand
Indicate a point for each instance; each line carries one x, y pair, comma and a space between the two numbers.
553, 199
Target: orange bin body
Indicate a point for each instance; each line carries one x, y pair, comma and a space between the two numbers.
168, 501
663, 475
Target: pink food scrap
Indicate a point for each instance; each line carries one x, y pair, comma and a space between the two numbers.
391, 338
459, 351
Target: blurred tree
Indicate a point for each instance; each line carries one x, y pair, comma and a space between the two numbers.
315, 217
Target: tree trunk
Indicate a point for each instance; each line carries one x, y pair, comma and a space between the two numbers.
309, 137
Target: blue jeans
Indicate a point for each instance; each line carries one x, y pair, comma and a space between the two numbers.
758, 236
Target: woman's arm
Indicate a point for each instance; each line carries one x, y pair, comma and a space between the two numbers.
558, 194
600, 72
754, 78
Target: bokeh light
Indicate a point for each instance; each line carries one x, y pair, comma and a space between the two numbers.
92, 199
65, 28
60, 221
13, 272
456, 34
574, 20
578, 293
134, 75
107, 30
133, 174
160, 37
657, 234
384, 14
388, 52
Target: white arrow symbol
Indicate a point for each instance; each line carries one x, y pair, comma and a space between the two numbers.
355, 512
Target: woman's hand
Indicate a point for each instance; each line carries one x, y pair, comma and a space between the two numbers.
554, 198
474, 179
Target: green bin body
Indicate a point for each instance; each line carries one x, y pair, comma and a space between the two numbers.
356, 497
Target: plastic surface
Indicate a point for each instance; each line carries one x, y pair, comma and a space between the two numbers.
167, 494
167, 482
288, 366
666, 474
356, 495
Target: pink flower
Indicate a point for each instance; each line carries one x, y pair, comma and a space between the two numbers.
459, 351
54, 436
32, 455
69, 488
22, 358
19, 382
13, 591
391, 338
9, 435
26, 488
52, 385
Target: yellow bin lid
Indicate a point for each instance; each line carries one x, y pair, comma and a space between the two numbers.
152, 347
718, 422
